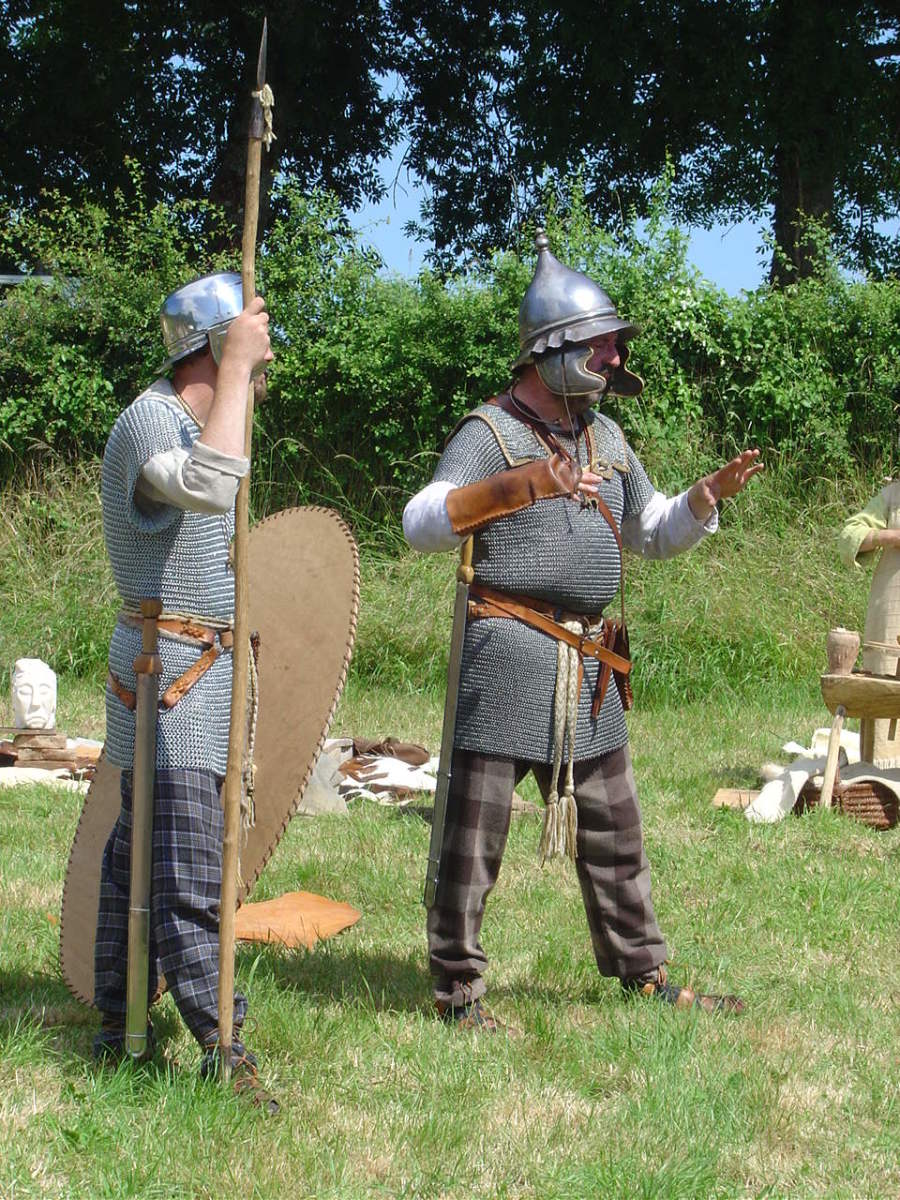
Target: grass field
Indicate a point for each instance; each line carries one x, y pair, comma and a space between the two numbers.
598, 1097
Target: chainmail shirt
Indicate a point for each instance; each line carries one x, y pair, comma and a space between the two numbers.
160, 551
555, 551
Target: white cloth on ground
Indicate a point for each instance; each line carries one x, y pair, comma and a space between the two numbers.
779, 796
16, 776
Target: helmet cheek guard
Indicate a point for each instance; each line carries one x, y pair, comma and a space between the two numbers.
623, 382
565, 371
216, 335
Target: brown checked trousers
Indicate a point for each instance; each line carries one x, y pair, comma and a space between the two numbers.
612, 867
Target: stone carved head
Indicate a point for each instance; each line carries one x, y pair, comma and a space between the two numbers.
33, 694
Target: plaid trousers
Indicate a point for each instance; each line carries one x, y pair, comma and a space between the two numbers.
184, 901
611, 864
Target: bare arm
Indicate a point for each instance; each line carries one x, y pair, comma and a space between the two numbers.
246, 346
877, 538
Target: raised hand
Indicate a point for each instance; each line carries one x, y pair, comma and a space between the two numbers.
727, 481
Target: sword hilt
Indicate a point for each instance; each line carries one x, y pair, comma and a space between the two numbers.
464, 572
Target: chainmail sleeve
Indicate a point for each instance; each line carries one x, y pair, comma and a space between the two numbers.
638, 488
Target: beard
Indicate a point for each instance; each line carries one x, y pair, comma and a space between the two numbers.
586, 401
580, 404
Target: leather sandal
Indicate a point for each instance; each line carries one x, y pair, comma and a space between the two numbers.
245, 1081
681, 997
473, 1017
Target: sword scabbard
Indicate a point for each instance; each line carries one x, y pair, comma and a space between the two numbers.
147, 669
464, 577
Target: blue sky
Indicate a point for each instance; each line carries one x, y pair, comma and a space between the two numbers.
731, 256
727, 255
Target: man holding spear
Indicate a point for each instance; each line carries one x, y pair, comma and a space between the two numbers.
175, 461
170, 474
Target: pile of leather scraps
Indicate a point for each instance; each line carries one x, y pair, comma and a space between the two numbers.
385, 770
46, 756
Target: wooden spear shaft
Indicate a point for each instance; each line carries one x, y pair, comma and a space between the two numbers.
237, 731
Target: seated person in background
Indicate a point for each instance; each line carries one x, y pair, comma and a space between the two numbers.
877, 527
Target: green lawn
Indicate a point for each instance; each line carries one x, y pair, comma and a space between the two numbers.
798, 1098
598, 1097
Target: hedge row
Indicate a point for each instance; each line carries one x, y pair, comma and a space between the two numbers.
372, 371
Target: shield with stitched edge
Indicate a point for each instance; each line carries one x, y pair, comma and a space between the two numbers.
304, 601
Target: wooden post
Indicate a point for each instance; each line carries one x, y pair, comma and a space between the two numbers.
831, 762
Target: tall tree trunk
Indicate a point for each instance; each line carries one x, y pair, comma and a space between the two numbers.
804, 189
804, 57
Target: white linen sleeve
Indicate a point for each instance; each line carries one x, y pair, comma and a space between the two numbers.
200, 480
425, 520
666, 526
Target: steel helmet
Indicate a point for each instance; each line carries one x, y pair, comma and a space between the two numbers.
198, 313
561, 310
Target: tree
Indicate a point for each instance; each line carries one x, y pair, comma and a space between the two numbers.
87, 86
778, 109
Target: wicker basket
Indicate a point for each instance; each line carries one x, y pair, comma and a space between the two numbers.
867, 801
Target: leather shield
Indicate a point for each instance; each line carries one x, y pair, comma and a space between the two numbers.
304, 602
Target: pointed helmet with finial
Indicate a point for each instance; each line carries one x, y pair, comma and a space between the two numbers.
561, 311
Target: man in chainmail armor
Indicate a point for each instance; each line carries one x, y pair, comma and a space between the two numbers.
170, 475
550, 490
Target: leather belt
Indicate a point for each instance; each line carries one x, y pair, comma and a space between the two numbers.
547, 618
186, 629
182, 629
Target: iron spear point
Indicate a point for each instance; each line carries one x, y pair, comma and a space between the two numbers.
261, 61
257, 116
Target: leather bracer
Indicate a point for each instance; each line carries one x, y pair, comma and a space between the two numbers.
477, 504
